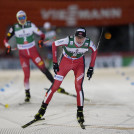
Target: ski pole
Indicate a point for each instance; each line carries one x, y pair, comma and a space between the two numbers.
100, 38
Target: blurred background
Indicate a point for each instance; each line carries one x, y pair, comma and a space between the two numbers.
114, 17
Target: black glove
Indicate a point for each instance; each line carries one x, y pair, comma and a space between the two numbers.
40, 43
90, 72
8, 49
56, 67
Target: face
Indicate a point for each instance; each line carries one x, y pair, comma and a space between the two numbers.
22, 19
80, 40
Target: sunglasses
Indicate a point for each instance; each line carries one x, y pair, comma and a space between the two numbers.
22, 18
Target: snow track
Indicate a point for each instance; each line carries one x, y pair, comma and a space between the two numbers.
111, 110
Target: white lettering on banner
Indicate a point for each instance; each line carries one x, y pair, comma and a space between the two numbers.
72, 14
58, 77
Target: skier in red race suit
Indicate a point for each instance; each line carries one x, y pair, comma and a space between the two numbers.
24, 33
74, 48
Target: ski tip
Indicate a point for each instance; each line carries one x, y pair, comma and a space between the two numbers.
42, 119
31, 122
87, 99
23, 126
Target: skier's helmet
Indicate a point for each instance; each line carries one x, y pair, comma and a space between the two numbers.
21, 17
47, 25
80, 32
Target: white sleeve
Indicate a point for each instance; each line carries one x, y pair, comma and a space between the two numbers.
62, 42
36, 29
92, 46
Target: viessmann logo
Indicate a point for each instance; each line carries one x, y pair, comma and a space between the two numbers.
72, 14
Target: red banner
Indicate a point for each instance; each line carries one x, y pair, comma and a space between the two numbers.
68, 13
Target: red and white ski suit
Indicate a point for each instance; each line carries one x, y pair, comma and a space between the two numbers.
28, 50
70, 63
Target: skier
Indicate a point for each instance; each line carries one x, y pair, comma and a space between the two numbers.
74, 48
24, 32
50, 35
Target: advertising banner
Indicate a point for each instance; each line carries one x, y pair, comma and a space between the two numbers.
68, 13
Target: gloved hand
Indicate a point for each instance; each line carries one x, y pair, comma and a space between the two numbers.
40, 43
90, 72
56, 67
8, 49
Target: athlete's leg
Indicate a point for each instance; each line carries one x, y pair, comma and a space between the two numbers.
36, 58
79, 77
24, 60
64, 68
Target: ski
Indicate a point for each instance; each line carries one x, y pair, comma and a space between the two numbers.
62, 91
31, 122
82, 125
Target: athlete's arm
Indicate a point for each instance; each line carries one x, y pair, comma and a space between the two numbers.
9, 35
61, 42
94, 54
38, 31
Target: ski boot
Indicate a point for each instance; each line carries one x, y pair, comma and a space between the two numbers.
41, 111
80, 116
28, 96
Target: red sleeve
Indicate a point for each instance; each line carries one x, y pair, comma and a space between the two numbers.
93, 57
54, 51
5, 40
9, 35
